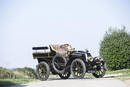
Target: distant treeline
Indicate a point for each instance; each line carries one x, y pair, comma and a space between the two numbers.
25, 72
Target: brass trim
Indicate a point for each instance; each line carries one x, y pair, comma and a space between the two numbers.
43, 57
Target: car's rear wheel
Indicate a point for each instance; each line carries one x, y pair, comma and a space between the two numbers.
101, 70
59, 63
78, 68
43, 71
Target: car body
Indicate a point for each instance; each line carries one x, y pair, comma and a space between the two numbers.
65, 60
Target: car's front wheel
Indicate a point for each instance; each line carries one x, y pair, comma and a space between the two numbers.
78, 68
101, 70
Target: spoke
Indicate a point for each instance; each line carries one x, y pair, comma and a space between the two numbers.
99, 72
76, 63
42, 71
102, 71
77, 69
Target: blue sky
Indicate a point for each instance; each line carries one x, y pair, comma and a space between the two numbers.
81, 23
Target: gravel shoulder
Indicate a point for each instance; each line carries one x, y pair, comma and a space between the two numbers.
127, 81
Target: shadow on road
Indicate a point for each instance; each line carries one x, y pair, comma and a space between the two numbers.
9, 84
109, 77
53, 79
6, 83
18, 86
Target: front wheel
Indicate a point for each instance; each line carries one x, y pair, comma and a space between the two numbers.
78, 68
100, 72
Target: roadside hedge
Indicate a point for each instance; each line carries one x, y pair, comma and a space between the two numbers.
6, 73
25, 72
115, 47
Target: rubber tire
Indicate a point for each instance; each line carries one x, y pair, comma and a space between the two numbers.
83, 65
48, 71
53, 65
65, 77
104, 71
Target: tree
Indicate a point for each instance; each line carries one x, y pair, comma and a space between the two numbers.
115, 47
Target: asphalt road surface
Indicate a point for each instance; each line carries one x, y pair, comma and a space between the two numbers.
87, 82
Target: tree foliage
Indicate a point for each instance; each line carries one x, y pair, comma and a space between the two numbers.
6, 73
29, 72
115, 47
25, 72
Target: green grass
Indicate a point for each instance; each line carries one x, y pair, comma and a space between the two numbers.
88, 74
9, 82
124, 72
118, 71
10, 77
124, 76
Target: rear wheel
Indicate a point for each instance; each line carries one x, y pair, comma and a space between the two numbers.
43, 71
78, 68
59, 63
101, 70
65, 75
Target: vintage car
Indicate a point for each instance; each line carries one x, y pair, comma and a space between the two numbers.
65, 60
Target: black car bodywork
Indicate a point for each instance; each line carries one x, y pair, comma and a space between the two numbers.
67, 61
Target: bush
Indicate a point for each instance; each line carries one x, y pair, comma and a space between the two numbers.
25, 72
6, 73
17, 73
115, 47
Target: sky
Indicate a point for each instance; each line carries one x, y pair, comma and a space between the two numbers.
81, 23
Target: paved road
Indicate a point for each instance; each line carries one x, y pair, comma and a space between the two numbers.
87, 82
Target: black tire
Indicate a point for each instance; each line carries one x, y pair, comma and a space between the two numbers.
78, 68
43, 71
65, 75
59, 63
101, 72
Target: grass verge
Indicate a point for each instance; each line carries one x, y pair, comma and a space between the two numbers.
123, 72
118, 71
